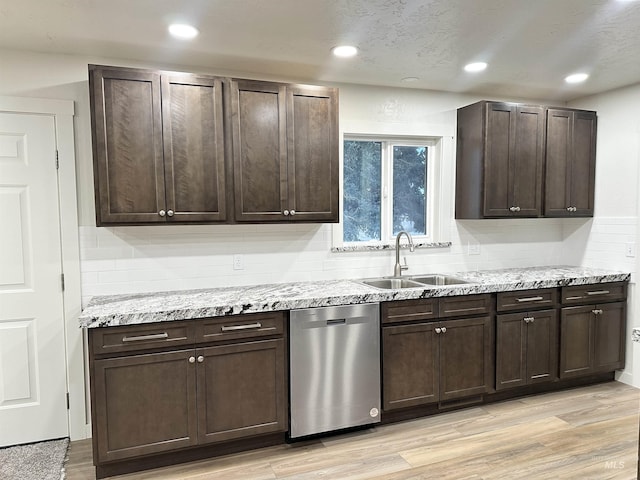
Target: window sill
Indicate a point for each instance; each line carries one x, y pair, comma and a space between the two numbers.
387, 246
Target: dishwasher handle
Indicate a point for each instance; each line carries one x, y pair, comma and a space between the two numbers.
336, 321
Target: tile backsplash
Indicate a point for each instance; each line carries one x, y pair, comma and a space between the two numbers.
130, 259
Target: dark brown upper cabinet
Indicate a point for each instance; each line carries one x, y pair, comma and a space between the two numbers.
570, 163
499, 160
285, 152
158, 147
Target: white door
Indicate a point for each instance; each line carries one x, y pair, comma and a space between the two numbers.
33, 387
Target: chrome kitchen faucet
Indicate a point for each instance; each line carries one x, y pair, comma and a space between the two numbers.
397, 269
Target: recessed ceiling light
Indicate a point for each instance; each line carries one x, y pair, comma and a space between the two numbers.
576, 78
410, 79
183, 31
344, 51
475, 67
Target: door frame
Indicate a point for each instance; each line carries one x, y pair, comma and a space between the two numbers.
62, 112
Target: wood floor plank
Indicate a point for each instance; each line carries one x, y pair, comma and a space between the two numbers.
583, 433
479, 445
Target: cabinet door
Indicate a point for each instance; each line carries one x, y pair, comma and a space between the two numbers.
466, 357
312, 135
576, 341
583, 163
127, 146
514, 160
511, 350
570, 167
609, 336
144, 404
259, 150
410, 365
193, 148
499, 143
527, 161
542, 346
241, 390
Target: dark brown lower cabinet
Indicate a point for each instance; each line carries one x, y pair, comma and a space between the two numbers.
526, 348
410, 365
592, 339
144, 404
186, 386
241, 390
466, 357
436, 361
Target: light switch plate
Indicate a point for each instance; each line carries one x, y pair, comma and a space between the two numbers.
473, 248
630, 249
238, 262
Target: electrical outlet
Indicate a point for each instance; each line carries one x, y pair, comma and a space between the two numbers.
631, 249
238, 262
473, 248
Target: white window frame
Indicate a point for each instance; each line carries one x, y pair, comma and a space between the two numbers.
435, 213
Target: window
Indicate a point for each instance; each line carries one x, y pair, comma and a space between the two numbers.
388, 186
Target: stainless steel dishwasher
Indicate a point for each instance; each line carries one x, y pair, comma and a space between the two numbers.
334, 368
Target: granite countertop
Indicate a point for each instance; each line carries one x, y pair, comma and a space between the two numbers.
213, 302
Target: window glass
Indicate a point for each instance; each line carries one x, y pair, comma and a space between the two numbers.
409, 186
362, 189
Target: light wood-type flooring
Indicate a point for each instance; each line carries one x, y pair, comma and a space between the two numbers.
583, 433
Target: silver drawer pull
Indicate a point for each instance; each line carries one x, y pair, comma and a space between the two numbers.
142, 338
530, 299
573, 298
598, 292
241, 327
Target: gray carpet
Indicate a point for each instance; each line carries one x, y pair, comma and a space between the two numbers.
35, 461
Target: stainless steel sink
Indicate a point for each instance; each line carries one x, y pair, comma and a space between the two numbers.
437, 279
392, 283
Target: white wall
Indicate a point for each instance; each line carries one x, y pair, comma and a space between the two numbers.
615, 226
137, 259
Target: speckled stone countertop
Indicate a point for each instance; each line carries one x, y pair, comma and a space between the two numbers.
181, 305
635, 335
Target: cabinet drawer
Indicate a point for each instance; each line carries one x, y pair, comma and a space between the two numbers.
106, 340
526, 299
234, 327
465, 305
409, 310
595, 293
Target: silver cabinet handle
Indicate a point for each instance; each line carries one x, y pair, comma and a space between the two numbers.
438, 330
142, 338
192, 359
514, 209
170, 213
529, 319
598, 292
530, 299
248, 326
286, 213
574, 298
597, 311
444, 329
200, 359
292, 212
572, 209
162, 213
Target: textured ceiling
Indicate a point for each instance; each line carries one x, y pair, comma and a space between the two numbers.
530, 45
